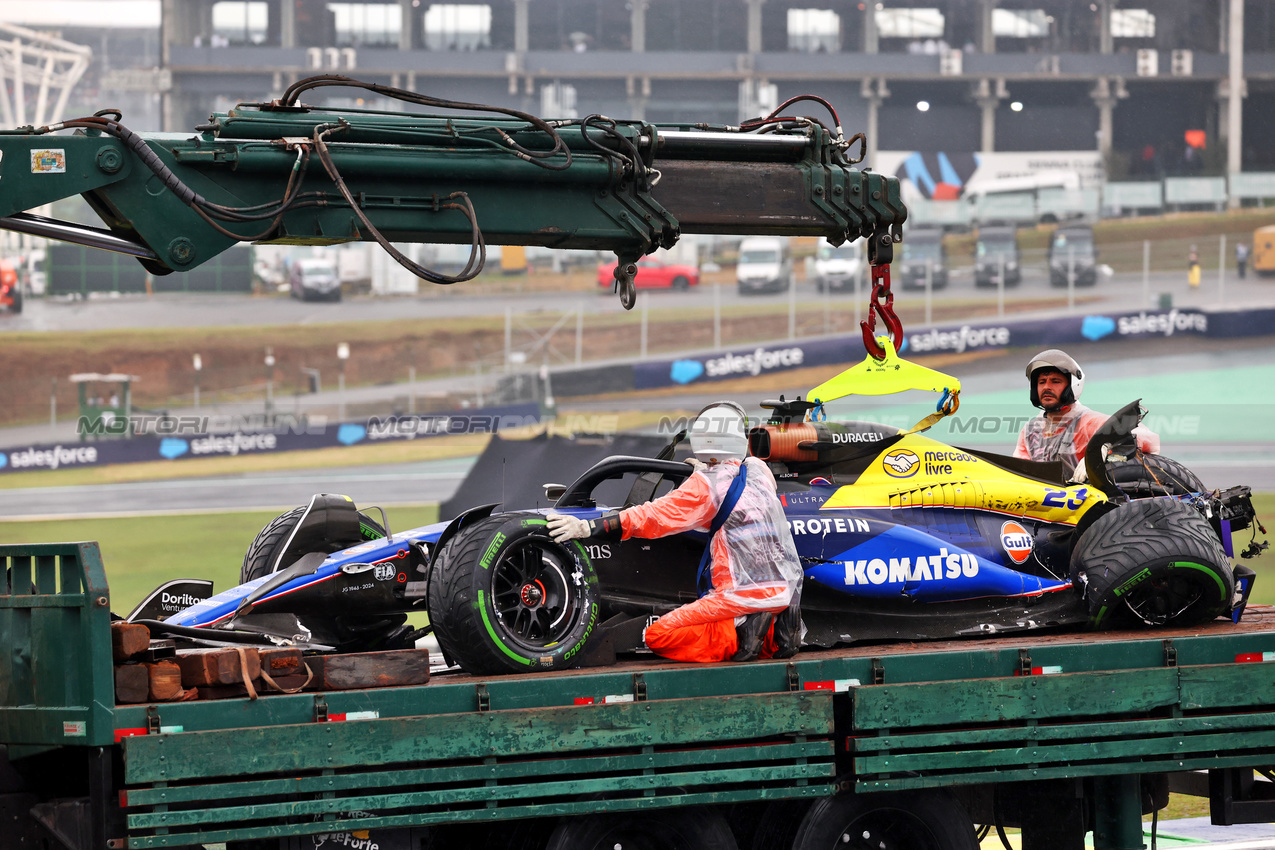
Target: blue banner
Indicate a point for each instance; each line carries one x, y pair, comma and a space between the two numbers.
183, 437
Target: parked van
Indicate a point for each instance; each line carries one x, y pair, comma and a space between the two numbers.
996, 249
835, 268
922, 249
764, 265
1071, 251
314, 278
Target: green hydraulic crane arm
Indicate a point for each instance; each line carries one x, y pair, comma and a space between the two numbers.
283, 172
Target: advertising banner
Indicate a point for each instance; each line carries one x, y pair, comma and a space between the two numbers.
183, 437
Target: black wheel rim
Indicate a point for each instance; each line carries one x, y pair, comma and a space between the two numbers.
1163, 599
886, 829
533, 593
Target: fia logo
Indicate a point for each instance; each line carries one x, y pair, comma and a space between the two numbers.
384, 572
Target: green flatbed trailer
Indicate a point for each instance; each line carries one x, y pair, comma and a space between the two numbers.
1056, 733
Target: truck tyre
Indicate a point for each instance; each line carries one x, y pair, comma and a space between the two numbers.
1153, 475
260, 558
665, 829
1152, 562
504, 598
891, 820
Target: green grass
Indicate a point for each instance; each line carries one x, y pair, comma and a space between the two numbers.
140, 553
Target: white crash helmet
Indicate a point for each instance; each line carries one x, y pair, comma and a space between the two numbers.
720, 432
1062, 362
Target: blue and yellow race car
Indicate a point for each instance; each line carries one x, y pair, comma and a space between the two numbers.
901, 537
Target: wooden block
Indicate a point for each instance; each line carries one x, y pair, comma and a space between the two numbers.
132, 684
371, 669
281, 661
128, 640
285, 683
218, 666
165, 681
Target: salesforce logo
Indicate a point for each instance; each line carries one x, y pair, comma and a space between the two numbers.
685, 371
171, 447
348, 435
1096, 327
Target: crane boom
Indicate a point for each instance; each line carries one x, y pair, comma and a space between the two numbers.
283, 172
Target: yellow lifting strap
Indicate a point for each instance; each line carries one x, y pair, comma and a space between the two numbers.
892, 374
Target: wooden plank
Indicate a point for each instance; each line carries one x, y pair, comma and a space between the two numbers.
132, 683
1049, 754
816, 751
220, 666
479, 814
557, 730
447, 798
128, 640
1166, 764
1028, 735
370, 669
1227, 686
1094, 694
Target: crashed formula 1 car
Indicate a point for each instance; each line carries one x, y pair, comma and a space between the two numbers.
901, 537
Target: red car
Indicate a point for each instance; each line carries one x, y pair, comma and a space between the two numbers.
653, 274
10, 291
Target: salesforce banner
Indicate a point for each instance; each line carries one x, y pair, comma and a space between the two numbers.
182, 437
954, 339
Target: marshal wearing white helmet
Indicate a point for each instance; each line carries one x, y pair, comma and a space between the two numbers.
1063, 430
750, 581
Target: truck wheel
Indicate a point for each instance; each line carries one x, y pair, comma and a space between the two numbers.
504, 598
1152, 562
262, 554
891, 820
665, 829
1153, 475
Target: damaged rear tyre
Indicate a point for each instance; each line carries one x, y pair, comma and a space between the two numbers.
504, 598
1152, 562
1153, 475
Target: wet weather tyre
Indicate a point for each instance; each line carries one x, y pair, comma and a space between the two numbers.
892, 820
1152, 562
665, 829
262, 554
504, 598
1153, 475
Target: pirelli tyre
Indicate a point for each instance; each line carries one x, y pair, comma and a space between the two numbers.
1152, 562
1153, 475
887, 820
504, 598
263, 553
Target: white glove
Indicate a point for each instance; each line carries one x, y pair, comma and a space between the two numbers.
1081, 475
563, 528
697, 464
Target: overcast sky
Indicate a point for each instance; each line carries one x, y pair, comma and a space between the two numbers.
81, 13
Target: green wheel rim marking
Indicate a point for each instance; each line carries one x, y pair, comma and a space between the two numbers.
1221, 588
482, 607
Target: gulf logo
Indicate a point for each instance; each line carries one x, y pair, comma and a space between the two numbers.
1016, 542
900, 463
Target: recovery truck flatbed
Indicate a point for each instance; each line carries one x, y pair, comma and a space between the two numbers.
1058, 733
